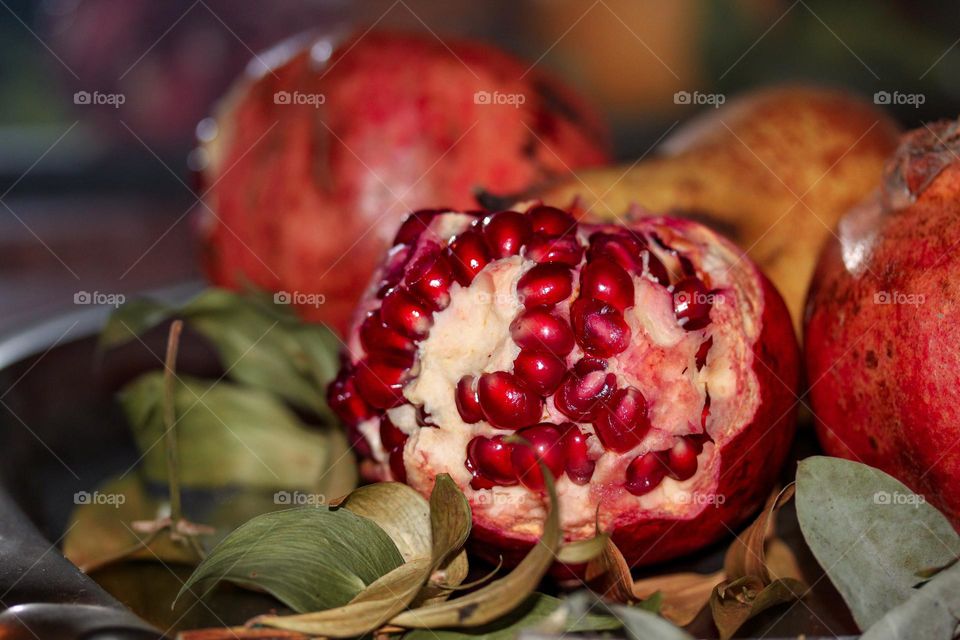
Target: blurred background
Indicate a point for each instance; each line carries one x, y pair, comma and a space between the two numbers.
99, 196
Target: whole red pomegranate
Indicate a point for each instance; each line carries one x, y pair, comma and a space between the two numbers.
314, 163
882, 334
651, 368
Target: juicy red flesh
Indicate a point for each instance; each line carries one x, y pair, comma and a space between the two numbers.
405, 314
468, 255
490, 459
468, 404
645, 473
345, 401
414, 225
579, 466
606, 281
390, 435
429, 278
506, 232
582, 396
622, 422
691, 304
539, 371
376, 337
550, 221
682, 459
545, 285
380, 380
538, 444
539, 329
506, 403
599, 328
545, 249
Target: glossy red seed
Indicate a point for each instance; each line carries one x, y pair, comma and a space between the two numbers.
564, 250
393, 269
429, 278
691, 304
645, 473
539, 443
682, 460
490, 459
380, 380
376, 337
506, 403
414, 224
345, 401
397, 467
468, 404
622, 422
467, 255
405, 314
579, 466
550, 221
538, 371
506, 233
603, 279
655, 269
539, 329
581, 397
390, 435
359, 443
620, 248
545, 285
599, 328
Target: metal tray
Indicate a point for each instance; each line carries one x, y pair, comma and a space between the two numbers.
61, 432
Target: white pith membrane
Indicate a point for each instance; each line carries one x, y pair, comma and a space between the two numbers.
472, 336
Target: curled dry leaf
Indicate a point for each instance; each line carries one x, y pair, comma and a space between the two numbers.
583, 550
761, 572
682, 595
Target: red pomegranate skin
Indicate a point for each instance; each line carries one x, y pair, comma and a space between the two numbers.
305, 197
751, 365
881, 342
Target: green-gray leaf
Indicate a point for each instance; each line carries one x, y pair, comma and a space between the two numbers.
933, 612
310, 559
871, 533
235, 436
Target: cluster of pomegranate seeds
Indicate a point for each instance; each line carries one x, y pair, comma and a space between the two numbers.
575, 295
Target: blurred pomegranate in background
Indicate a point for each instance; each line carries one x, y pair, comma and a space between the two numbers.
315, 162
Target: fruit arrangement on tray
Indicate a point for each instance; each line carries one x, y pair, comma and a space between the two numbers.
476, 380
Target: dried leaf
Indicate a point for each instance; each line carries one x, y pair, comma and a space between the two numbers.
735, 602
870, 533
639, 622
501, 596
310, 559
583, 550
746, 556
400, 511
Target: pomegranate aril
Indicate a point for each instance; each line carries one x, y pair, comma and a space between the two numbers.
393, 271
621, 249
397, 468
490, 459
682, 460
344, 399
467, 255
429, 278
645, 473
358, 442
622, 422
506, 232
691, 304
599, 328
538, 371
545, 284
579, 466
564, 250
550, 221
376, 337
390, 435
468, 404
414, 224
405, 314
380, 380
580, 398
538, 329
506, 403
605, 280
539, 443
656, 269
586, 365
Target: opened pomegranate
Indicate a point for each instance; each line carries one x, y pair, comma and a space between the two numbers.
313, 164
651, 369
882, 334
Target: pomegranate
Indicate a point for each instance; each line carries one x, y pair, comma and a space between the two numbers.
654, 377
881, 332
315, 163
